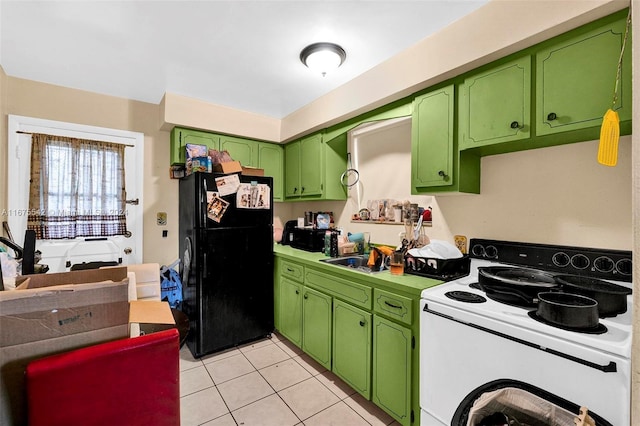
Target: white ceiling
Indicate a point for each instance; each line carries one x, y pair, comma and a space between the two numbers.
241, 54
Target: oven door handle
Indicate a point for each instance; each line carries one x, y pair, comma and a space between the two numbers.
612, 367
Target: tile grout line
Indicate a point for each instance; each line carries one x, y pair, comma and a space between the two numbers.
275, 391
313, 375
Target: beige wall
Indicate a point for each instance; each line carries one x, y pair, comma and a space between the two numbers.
33, 99
556, 195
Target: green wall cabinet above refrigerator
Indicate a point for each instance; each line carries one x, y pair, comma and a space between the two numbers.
250, 153
243, 150
180, 137
271, 159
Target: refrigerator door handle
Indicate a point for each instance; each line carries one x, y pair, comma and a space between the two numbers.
204, 265
204, 202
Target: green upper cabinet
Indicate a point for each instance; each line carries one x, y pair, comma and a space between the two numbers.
575, 78
271, 159
435, 162
311, 163
292, 169
180, 137
433, 139
313, 168
250, 153
243, 150
495, 105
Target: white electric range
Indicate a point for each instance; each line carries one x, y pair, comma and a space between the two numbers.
474, 346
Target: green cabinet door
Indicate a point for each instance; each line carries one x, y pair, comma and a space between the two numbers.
311, 163
575, 80
352, 346
270, 158
432, 139
180, 137
496, 105
316, 326
290, 313
391, 368
292, 169
243, 150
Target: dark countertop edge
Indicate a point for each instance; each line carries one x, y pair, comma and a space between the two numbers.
410, 284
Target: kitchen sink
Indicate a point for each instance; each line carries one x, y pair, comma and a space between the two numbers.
359, 263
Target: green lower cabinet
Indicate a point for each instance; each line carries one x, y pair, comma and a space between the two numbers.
290, 314
316, 326
352, 346
391, 370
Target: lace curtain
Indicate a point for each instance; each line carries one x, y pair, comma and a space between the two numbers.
77, 188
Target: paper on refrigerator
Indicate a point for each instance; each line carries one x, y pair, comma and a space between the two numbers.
253, 196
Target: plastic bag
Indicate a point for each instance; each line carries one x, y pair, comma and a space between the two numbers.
11, 268
171, 288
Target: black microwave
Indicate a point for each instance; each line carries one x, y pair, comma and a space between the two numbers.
308, 239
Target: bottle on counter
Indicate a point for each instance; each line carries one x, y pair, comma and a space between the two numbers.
334, 244
327, 243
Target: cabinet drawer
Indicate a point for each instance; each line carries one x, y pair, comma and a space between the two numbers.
392, 305
292, 271
348, 291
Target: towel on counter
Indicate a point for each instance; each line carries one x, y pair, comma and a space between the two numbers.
437, 249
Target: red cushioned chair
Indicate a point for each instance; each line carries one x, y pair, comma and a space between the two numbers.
125, 382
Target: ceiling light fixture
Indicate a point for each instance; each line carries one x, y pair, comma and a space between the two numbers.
323, 57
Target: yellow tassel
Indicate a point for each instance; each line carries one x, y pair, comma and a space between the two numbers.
609, 137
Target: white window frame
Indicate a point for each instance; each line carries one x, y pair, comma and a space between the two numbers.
19, 165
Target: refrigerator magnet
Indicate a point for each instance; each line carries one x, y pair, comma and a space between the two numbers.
228, 184
216, 208
253, 196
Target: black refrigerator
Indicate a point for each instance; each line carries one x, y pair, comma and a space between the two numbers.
226, 244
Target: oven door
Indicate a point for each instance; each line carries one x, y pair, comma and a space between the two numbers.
462, 360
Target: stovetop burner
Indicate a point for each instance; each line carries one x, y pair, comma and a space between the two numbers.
599, 329
518, 302
465, 296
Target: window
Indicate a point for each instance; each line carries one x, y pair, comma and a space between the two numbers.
76, 188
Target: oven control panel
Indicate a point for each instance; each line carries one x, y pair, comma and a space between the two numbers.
597, 263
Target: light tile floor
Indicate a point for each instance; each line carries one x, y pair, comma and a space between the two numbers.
268, 382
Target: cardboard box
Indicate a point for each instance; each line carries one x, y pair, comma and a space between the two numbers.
53, 313
228, 167
252, 171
